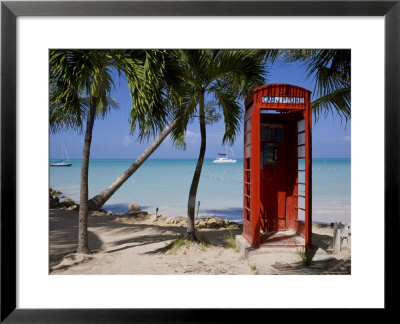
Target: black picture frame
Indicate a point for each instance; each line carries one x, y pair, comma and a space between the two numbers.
10, 10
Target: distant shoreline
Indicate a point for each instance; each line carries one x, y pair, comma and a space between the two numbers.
164, 184
55, 193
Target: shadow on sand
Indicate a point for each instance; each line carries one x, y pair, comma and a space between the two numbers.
322, 241
64, 235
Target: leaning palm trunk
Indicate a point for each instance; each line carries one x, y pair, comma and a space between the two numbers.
99, 200
191, 234
83, 246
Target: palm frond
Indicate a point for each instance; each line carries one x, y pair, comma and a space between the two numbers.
232, 112
74, 76
331, 72
338, 101
183, 114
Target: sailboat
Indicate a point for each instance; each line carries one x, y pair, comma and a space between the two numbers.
62, 162
223, 157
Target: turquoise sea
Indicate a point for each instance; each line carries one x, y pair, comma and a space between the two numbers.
165, 183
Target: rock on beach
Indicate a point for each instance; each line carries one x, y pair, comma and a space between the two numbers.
137, 216
179, 221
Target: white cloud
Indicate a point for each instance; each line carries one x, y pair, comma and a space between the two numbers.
191, 137
127, 140
190, 134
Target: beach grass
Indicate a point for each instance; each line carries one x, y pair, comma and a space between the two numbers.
254, 269
176, 244
306, 255
230, 241
181, 242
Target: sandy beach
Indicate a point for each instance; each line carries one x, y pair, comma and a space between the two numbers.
135, 245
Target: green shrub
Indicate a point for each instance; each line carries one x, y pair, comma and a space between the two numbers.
306, 255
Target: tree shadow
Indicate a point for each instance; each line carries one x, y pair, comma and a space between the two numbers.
63, 238
64, 242
322, 241
330, 266
117, 236
170, 233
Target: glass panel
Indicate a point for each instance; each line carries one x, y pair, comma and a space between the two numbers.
301, 214
301, 164
247, 128
300, 126
276, 133
301, 189
247, 138
301, 202
271, 133
301, 138
301, 151
264, 133
301, 176
247, 151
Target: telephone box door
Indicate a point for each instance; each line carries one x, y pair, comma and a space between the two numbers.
272, 177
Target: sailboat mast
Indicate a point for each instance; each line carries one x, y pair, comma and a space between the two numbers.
232, 153
62, 151
66, 153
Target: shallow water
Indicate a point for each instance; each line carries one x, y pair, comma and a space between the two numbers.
165, 183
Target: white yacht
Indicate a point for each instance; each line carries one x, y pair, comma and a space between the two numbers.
223, 158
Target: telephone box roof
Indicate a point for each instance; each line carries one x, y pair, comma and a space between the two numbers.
268, 87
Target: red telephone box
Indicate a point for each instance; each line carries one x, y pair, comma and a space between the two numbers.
277, 162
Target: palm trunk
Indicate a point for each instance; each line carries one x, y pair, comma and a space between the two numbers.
83, 246
191, 234
99, 200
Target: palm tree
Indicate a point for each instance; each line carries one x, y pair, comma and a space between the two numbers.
153, 95
80, 84
225, 75
97, 201
331, 71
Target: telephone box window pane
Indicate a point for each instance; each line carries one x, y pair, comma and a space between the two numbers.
247, 125
301, 164
247, 138
301, 176
301, 202
276, 134
301, 151
300, 126
301, 138
301, 214
301, 189
247, 151
264, 133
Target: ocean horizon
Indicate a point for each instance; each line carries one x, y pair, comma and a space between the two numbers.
164, 184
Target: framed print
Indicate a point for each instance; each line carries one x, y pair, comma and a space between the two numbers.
30, 28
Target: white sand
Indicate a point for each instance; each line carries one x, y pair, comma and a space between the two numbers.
138, 248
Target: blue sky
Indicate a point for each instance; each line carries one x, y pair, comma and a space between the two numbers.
111, 138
